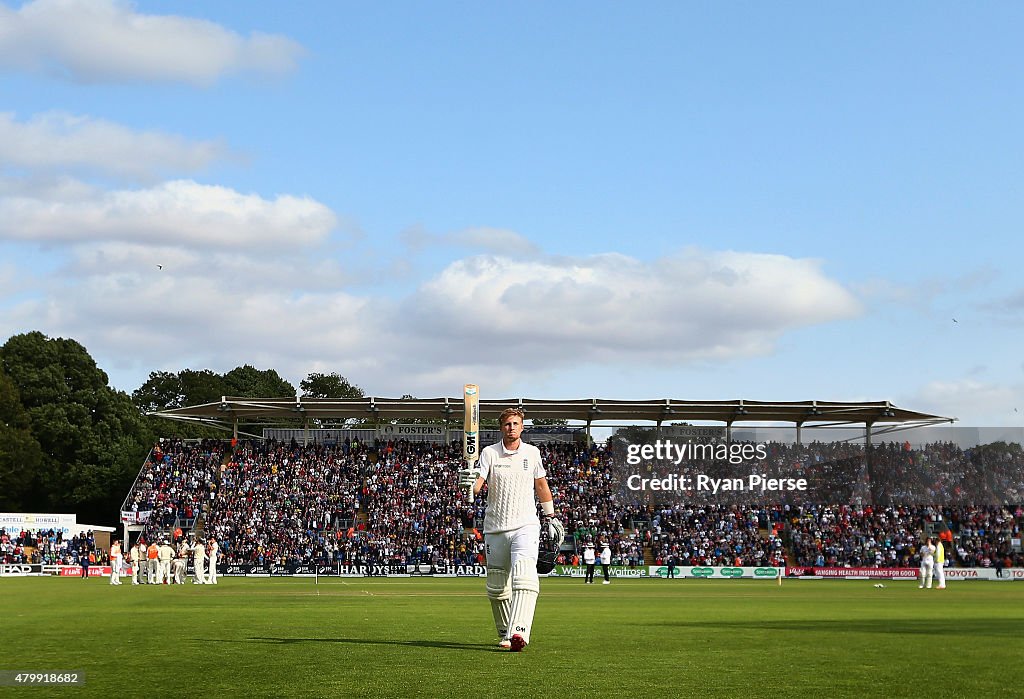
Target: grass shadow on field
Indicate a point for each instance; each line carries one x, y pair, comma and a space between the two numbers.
997, 627
360, 641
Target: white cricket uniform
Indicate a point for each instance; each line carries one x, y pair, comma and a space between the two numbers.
589, 559
135, 557
510, 477
164, 555
178, 571
606, 559
179, 563
927, 563
512, 535
143, 564
116, 561
212, 577
199, 557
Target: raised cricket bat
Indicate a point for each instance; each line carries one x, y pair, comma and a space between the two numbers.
471, 427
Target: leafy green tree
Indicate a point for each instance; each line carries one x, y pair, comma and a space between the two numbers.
249, 382
199, 387
329, 386
633, 434
21, 458
161, 391
165, 390
92, 437
317, 385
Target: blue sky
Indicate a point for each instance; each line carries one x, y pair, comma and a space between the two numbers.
690, 200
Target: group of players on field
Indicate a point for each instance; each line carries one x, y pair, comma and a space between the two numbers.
160, 563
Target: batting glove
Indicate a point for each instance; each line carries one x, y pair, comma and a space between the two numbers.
468, 476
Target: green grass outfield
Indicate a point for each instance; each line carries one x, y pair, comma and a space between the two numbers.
349, 637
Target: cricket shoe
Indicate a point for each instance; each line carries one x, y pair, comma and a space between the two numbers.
517, 643
504, 644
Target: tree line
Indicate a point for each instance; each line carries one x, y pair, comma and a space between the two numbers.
71, 443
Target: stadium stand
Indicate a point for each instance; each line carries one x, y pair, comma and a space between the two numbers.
279, 503
48, 547
398, 502
176, 480
715, 535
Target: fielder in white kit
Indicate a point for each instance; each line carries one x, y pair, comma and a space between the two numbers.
514, 474
927, 563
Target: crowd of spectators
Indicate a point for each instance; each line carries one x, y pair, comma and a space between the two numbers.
844, 535
715, 534
984, 535
398, 502
281, 502
176, 481
589, 497
48, 547
416, 513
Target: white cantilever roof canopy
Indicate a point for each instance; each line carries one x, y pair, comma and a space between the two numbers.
230, 412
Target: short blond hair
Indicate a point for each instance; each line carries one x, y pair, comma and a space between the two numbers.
509, 412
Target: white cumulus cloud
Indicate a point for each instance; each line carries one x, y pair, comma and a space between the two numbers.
502, 318
694, 305
59, 142
979, 402
105, 41
479, 239
180, 212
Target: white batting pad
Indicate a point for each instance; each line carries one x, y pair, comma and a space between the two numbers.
525, 588
499, 590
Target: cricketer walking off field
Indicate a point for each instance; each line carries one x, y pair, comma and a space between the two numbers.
514, 474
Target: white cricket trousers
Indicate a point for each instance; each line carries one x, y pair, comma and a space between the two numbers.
505, 548
926, 574
512, 569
